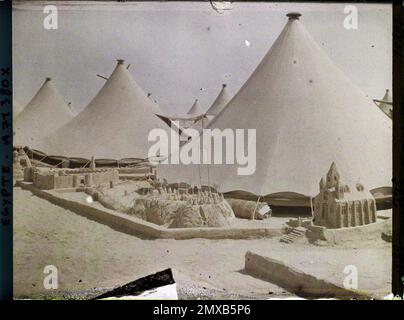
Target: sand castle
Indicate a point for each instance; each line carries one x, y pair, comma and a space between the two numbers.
45, 178
173, 209
339, 205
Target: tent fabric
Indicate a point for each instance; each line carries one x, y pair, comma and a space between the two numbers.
114, 125
176, 117
46, 112
196, 109
220, 102
34, 154
77, 162
385, 107
17, 109
307, 114
198, 113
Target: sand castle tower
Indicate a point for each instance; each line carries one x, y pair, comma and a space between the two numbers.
340, 205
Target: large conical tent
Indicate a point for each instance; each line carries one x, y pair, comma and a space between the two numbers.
307, 115
220, 102
46, 112
114, 125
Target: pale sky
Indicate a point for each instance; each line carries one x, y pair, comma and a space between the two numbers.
183, 51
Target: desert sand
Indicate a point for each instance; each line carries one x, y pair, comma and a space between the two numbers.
91, 257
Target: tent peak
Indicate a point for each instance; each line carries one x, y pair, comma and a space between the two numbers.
120, 61
333, 165
224, 85
48, 79
294, 15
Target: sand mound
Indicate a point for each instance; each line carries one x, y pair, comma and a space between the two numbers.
183, 213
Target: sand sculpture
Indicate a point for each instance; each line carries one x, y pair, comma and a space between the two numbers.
249, 209
20, 162
340, 205
171, 208
23, 158
184, 210
18, 172
50, 178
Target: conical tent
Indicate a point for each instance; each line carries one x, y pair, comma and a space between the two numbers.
387, 96
196, 109
46, 112
17, 109
193, 118
220, 102
114, 125
307, 114
386, 104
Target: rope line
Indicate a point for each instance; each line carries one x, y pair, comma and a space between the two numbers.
256, 206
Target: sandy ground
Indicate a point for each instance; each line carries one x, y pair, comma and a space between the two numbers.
90, 255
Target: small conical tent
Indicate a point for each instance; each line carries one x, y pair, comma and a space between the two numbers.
386, 104
17, 109
196, 109
306, 114
193, 118
46, 112
220, 102
114, 125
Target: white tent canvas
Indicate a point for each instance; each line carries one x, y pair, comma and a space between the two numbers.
115, 124
46, 112
196, 109
17, 109
386, 104
307, 114
220, 102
